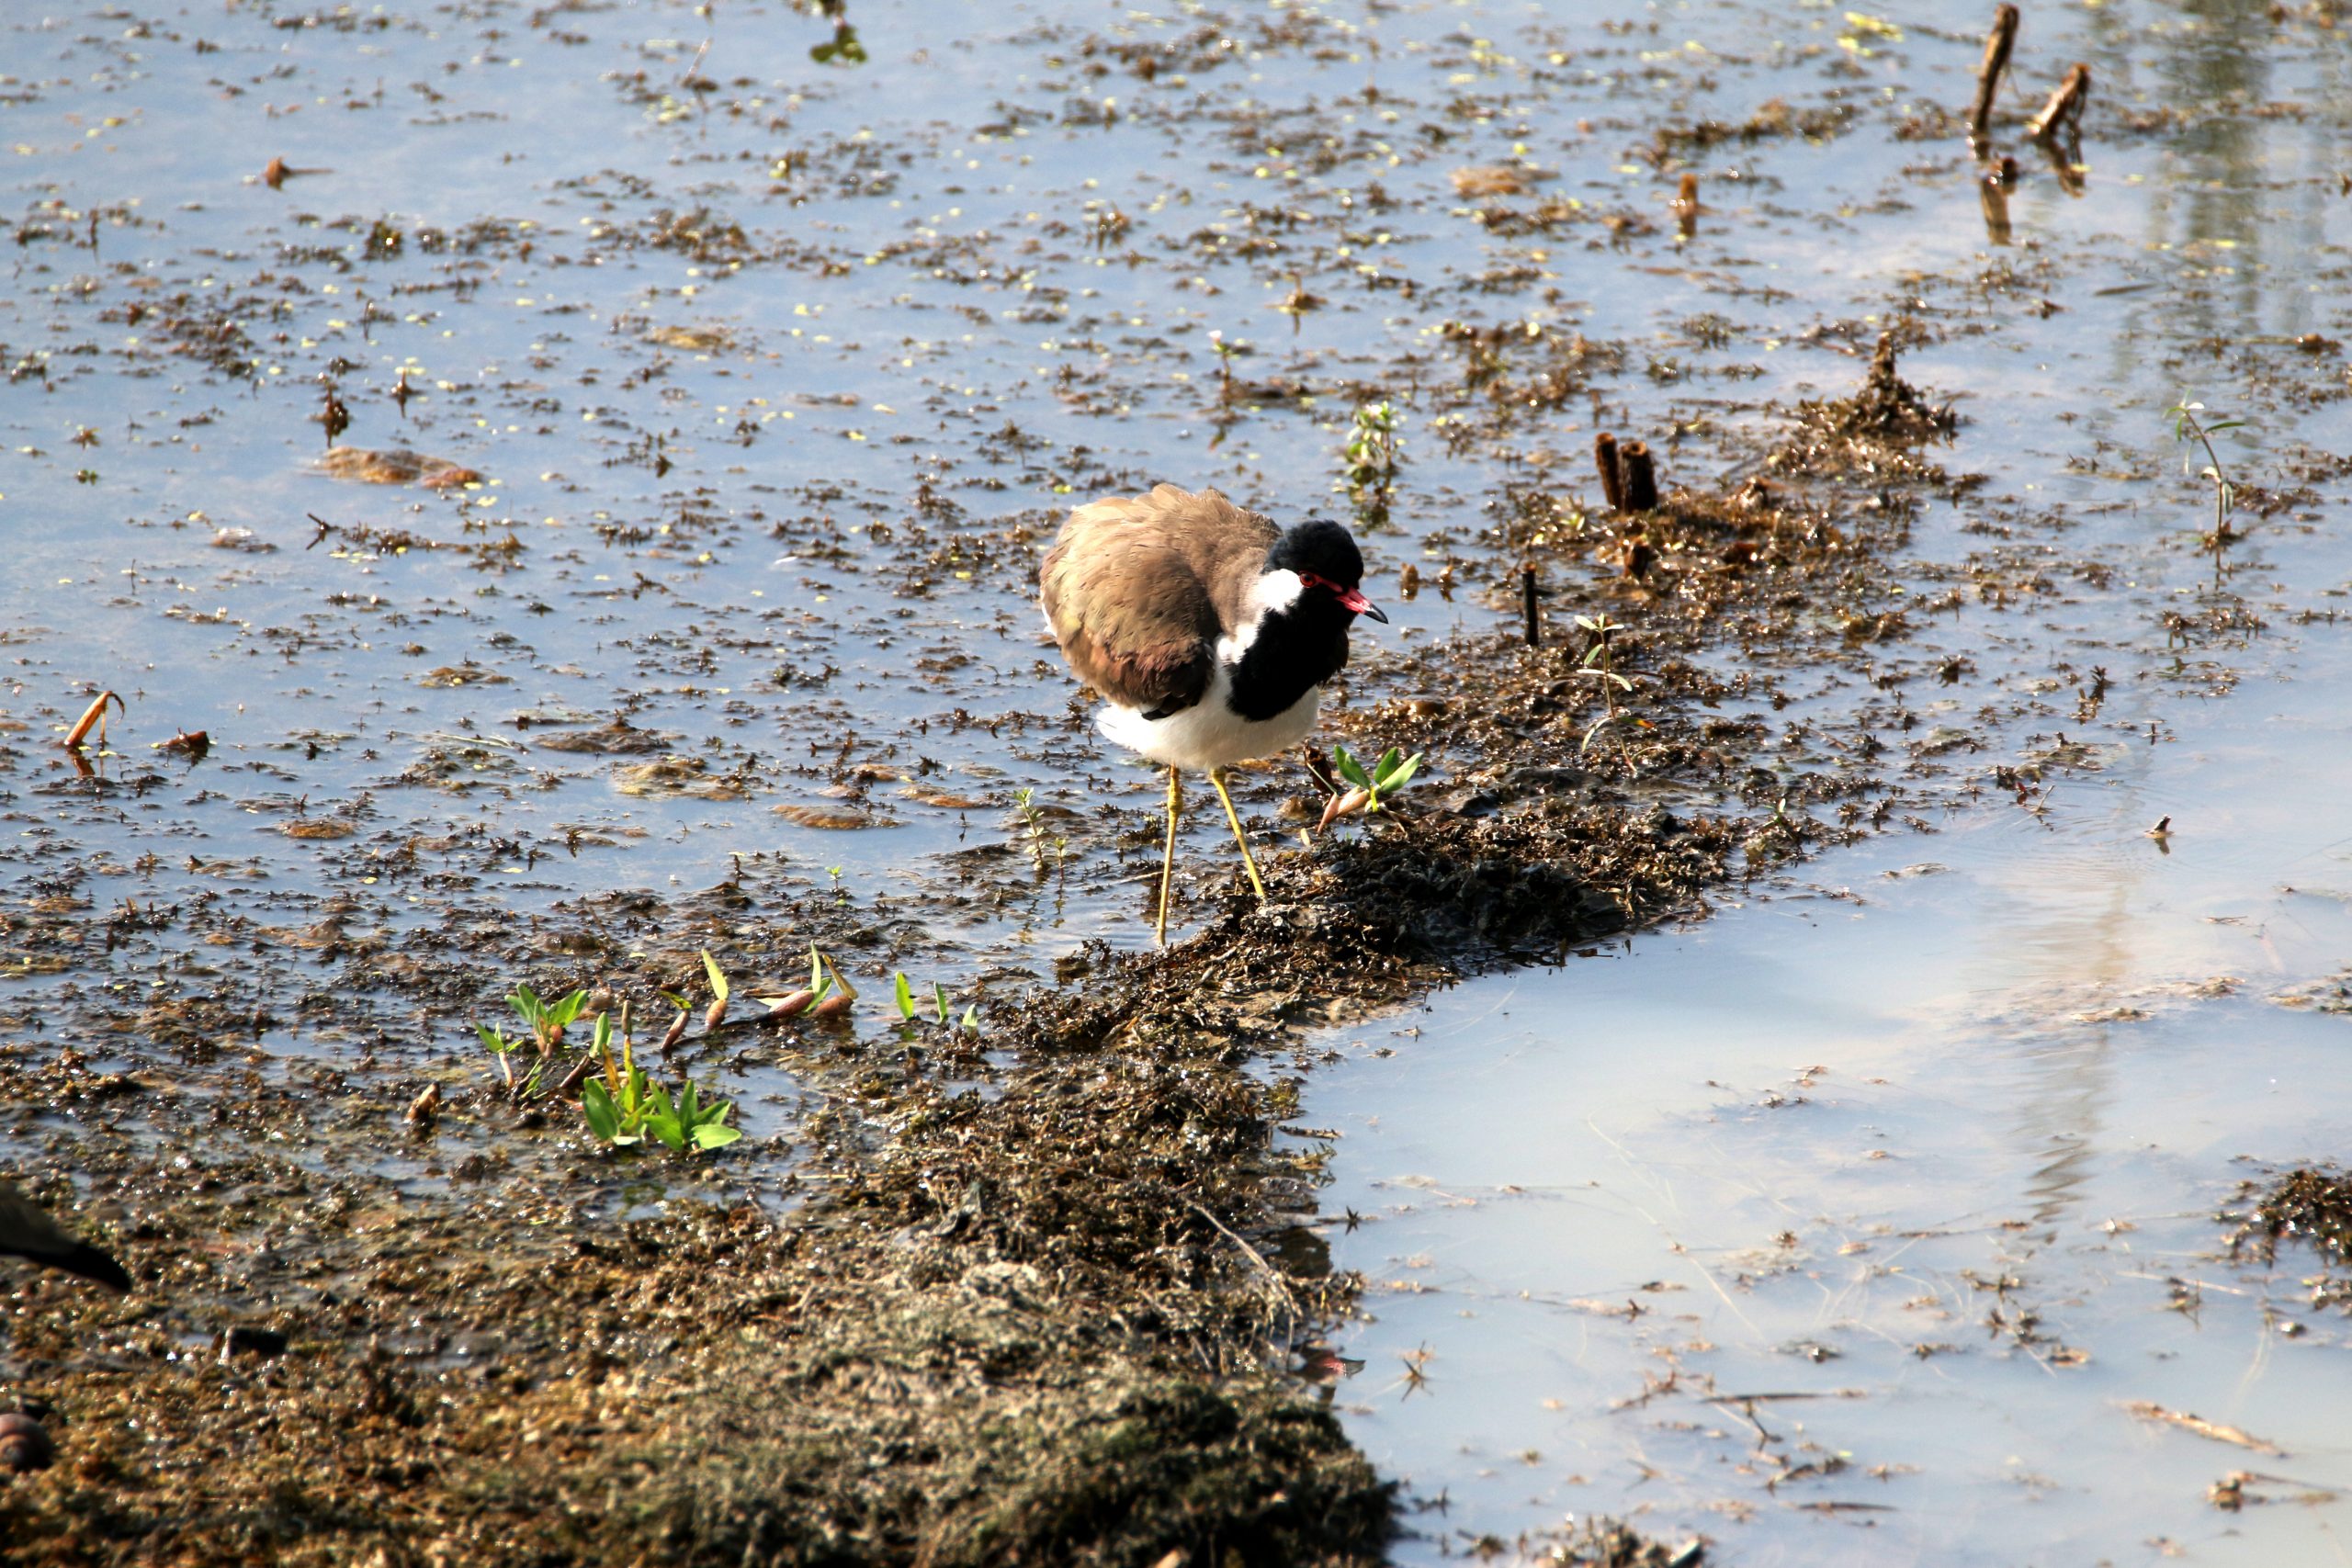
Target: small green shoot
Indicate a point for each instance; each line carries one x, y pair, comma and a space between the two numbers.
1374, 454
908, 1007
1391, 773
1226, 353
2187, 426
1367, 787
502, 1048
1601, 661
546, 1020
1035, 819
623, 1107
688, 1121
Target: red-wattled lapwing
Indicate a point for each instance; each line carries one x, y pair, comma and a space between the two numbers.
1209, 630
26, 1231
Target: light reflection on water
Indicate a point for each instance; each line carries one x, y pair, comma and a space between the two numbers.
1930, 1094
1925, 1141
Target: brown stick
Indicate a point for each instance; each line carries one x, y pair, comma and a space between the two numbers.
1613, 481
2065, 104
1528, 608
95, 714
1640, 478
1998, 44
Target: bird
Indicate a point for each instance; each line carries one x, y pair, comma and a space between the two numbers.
1208, 630
26, 1231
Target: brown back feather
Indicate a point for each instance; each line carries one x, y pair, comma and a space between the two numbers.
1137, 590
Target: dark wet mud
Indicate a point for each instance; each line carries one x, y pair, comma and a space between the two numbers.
582, 472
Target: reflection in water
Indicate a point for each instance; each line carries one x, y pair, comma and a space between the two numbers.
1956, 1242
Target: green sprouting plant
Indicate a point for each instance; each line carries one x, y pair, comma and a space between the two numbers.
546, 1021
1391, 773
624, 1106
1601, 659
908, 1007
502, 1050
828, 994
1367, 787
2187, 426
1035, 819
1603, 722
1374, 453
1226, 353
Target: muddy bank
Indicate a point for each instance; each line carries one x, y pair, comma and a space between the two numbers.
1041, 1295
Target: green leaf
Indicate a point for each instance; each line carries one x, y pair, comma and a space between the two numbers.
1396, 778
939, 996
718, 976
498, 1043
604, 1036
971, 1020
906, 994
1344, 763
564, 1011
711, 1135
601, 1117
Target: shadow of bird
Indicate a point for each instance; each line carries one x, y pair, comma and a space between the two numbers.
26, 1231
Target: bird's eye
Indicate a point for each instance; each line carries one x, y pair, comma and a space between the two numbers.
1312, 579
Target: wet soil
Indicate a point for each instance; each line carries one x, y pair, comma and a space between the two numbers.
600, 673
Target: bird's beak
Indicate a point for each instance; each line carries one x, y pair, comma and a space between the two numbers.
1362, 605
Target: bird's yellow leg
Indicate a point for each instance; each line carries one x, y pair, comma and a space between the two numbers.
1216, 777
1167, 861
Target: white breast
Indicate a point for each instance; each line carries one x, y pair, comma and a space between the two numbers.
1209, 734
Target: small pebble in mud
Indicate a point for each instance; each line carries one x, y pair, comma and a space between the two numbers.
24, 1443
396, 466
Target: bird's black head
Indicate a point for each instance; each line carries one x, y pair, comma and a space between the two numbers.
1324, 555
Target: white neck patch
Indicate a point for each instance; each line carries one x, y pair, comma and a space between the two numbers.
1272, 593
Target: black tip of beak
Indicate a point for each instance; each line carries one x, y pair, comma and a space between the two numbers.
1374, 611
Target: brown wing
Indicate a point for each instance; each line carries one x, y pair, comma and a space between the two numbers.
1133, 587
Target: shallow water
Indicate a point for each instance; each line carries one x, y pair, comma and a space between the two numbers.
1809, 1135
1843, 1227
